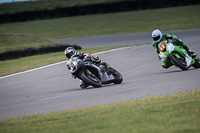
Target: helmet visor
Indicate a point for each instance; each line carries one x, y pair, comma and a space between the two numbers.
156, 38
68, 55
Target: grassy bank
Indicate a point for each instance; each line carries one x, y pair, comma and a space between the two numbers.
176, 18
39, 33
22, 64
168, 114
46, 4
21, 41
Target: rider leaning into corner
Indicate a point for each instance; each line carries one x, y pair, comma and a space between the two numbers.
158, 37
70, 51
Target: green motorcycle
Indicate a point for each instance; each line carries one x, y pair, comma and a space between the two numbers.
177, 55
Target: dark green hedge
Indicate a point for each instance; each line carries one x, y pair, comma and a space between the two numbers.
14, 54
125, 5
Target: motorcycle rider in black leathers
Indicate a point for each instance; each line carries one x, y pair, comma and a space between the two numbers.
70, 51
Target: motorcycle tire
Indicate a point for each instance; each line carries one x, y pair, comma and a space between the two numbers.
90, 79
197, 63
117, 76
181, 64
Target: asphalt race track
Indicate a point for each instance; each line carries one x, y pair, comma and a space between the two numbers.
125, 39
52, 88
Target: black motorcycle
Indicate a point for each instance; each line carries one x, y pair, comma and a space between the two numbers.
92, 74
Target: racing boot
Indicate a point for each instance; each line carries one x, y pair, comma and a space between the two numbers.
189, 51
83, 84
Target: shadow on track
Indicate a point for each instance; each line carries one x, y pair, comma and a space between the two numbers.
177, 71
90, 88
170, 72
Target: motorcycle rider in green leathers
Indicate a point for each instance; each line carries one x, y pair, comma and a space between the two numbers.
158, 37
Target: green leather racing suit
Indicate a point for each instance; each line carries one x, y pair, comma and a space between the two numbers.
177, 42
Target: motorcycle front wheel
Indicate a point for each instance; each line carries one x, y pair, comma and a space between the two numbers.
117, 76
181, 63
90, 79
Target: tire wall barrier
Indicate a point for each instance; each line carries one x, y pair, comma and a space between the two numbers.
14, 54
126, 5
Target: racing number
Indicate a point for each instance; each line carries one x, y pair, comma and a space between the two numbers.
162, 47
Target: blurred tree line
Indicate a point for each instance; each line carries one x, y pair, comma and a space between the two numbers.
126, 5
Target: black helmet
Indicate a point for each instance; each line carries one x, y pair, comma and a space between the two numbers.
95, 59
69, 52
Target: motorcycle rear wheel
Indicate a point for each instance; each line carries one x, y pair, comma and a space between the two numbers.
197, 63
90, 79
179, 63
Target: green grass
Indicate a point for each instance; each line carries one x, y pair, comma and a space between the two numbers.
26, 63
10, 42
176, 113
38, 33
46, 4
176, 18
168, 114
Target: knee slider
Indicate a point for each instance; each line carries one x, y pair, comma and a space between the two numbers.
165, 66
